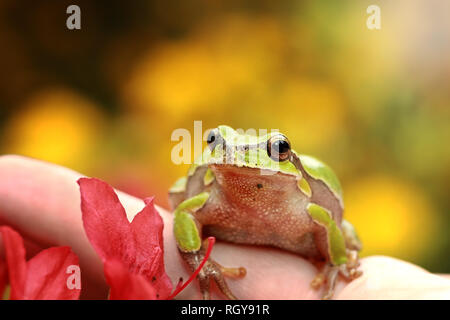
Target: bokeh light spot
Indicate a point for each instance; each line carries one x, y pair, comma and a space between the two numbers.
392, 217
56, 125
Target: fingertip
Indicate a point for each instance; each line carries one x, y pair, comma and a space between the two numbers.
391, 278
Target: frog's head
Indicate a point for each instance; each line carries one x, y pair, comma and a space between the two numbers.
270, 153
244, 158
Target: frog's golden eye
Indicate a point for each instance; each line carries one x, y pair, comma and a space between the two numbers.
278, 148
213, 138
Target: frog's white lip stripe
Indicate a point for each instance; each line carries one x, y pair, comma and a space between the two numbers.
264, 172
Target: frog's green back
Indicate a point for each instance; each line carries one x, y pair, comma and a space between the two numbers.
319, 170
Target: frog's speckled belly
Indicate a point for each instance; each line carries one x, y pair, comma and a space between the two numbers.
246, 207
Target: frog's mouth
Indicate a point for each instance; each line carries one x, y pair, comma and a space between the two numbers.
238, 181
245, 172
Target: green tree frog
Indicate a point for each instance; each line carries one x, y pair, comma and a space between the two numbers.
257, 190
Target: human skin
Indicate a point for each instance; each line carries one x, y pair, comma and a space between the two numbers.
42, 202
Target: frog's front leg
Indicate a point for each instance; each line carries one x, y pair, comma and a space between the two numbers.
343, 247
187, 229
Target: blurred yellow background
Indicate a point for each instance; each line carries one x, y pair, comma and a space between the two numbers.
373, 104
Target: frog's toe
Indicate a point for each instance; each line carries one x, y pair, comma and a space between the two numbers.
349, 273
318, 280
331, 279
350, 269
222, 285
214, 271
329, 275
233, 272
204, 283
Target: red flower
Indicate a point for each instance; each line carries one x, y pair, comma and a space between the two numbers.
132, 253
44, 277
3, 277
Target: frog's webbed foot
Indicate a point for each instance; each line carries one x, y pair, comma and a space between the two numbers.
213, 271
328, 276
350, 269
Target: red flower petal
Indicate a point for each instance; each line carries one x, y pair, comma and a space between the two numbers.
105, 221
47, 275
147, 227
126, 285
3, 277
44, 276
15, 258
137, 245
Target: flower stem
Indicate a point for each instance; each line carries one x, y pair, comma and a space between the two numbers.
178, 289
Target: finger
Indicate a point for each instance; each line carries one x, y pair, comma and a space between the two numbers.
446, 276
42, 202
389, 278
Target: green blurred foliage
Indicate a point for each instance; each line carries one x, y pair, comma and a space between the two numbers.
105, 99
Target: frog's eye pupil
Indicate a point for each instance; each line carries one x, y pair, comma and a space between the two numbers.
212, 139
278, 148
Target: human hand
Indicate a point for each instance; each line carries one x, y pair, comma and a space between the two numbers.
42, 202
